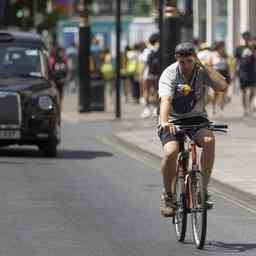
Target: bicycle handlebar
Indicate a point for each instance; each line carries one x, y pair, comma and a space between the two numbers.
220, 126
197, 125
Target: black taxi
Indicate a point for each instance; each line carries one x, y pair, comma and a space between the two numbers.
29, 100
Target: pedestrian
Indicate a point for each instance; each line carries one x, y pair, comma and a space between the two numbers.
204, 55
126, 72
150, 76
246, 72
132, 72
140, 71
59, 70
72, 56
253, 104
96, 53
108, 74
219, 60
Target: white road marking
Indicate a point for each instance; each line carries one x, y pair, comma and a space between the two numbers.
232, 200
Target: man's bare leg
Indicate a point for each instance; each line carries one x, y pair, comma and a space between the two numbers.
168, 165
168, 168
206, 140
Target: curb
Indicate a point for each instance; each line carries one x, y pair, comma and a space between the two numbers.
232, 193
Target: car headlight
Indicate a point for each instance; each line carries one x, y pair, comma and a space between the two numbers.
45, 102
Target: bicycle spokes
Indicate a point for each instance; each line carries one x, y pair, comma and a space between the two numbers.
180, 218
198, 211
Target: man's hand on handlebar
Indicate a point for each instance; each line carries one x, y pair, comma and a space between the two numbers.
170, 126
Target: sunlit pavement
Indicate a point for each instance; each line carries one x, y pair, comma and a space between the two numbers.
235, 151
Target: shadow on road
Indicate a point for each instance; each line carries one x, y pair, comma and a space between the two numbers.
81, 154
230, 247
62, 153
20, 152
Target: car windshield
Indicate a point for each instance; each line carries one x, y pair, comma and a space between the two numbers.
20, 61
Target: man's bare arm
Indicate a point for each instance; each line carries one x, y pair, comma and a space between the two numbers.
218, 80
165, 109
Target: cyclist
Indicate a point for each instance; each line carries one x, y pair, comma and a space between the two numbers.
182, 91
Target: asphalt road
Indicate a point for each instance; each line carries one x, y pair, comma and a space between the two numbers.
99, 198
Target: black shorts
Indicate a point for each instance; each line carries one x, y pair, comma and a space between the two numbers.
165, 135
246, 83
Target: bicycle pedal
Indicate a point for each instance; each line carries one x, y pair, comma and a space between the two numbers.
209, 206
188, 210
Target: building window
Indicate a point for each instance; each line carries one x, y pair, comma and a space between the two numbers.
202, 20
220, 21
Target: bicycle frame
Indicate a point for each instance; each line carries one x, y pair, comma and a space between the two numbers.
195, 167
185, 171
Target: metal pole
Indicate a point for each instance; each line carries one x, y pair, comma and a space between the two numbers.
160, 23
34, 12
3, 10
84, 61
118, 58
171, 32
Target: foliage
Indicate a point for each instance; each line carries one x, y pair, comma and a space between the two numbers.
142, 7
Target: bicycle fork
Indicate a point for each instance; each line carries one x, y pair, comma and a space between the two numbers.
189, 177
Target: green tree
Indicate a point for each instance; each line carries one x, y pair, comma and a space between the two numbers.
143, 7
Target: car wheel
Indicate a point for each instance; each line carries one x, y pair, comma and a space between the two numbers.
58, 132
49, 149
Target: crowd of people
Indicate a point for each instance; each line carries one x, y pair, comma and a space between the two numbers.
240, 67
140, 72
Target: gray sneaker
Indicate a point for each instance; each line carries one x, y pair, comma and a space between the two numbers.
208, 202
168, 205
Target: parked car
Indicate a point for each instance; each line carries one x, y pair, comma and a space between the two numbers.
29, 100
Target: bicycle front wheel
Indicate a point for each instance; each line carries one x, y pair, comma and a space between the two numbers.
180, 218
198, 211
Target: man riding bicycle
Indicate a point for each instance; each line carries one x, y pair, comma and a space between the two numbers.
183, 88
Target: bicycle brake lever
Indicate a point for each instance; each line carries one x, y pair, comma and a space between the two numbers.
217, 130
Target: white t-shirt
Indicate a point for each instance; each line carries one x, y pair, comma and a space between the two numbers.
172, 78
144, 57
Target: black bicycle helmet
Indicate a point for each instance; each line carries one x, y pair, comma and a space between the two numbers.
185, 49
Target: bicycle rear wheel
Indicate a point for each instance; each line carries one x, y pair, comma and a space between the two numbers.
180, 218
198, 211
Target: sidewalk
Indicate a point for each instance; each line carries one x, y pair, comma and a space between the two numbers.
70, 111
235, 152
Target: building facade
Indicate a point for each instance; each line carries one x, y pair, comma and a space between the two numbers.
224, 20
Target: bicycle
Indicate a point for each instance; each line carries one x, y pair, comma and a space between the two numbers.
189, 188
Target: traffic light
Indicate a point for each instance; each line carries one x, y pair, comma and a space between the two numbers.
19, 14
23, 10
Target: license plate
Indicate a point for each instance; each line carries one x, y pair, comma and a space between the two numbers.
9, 134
